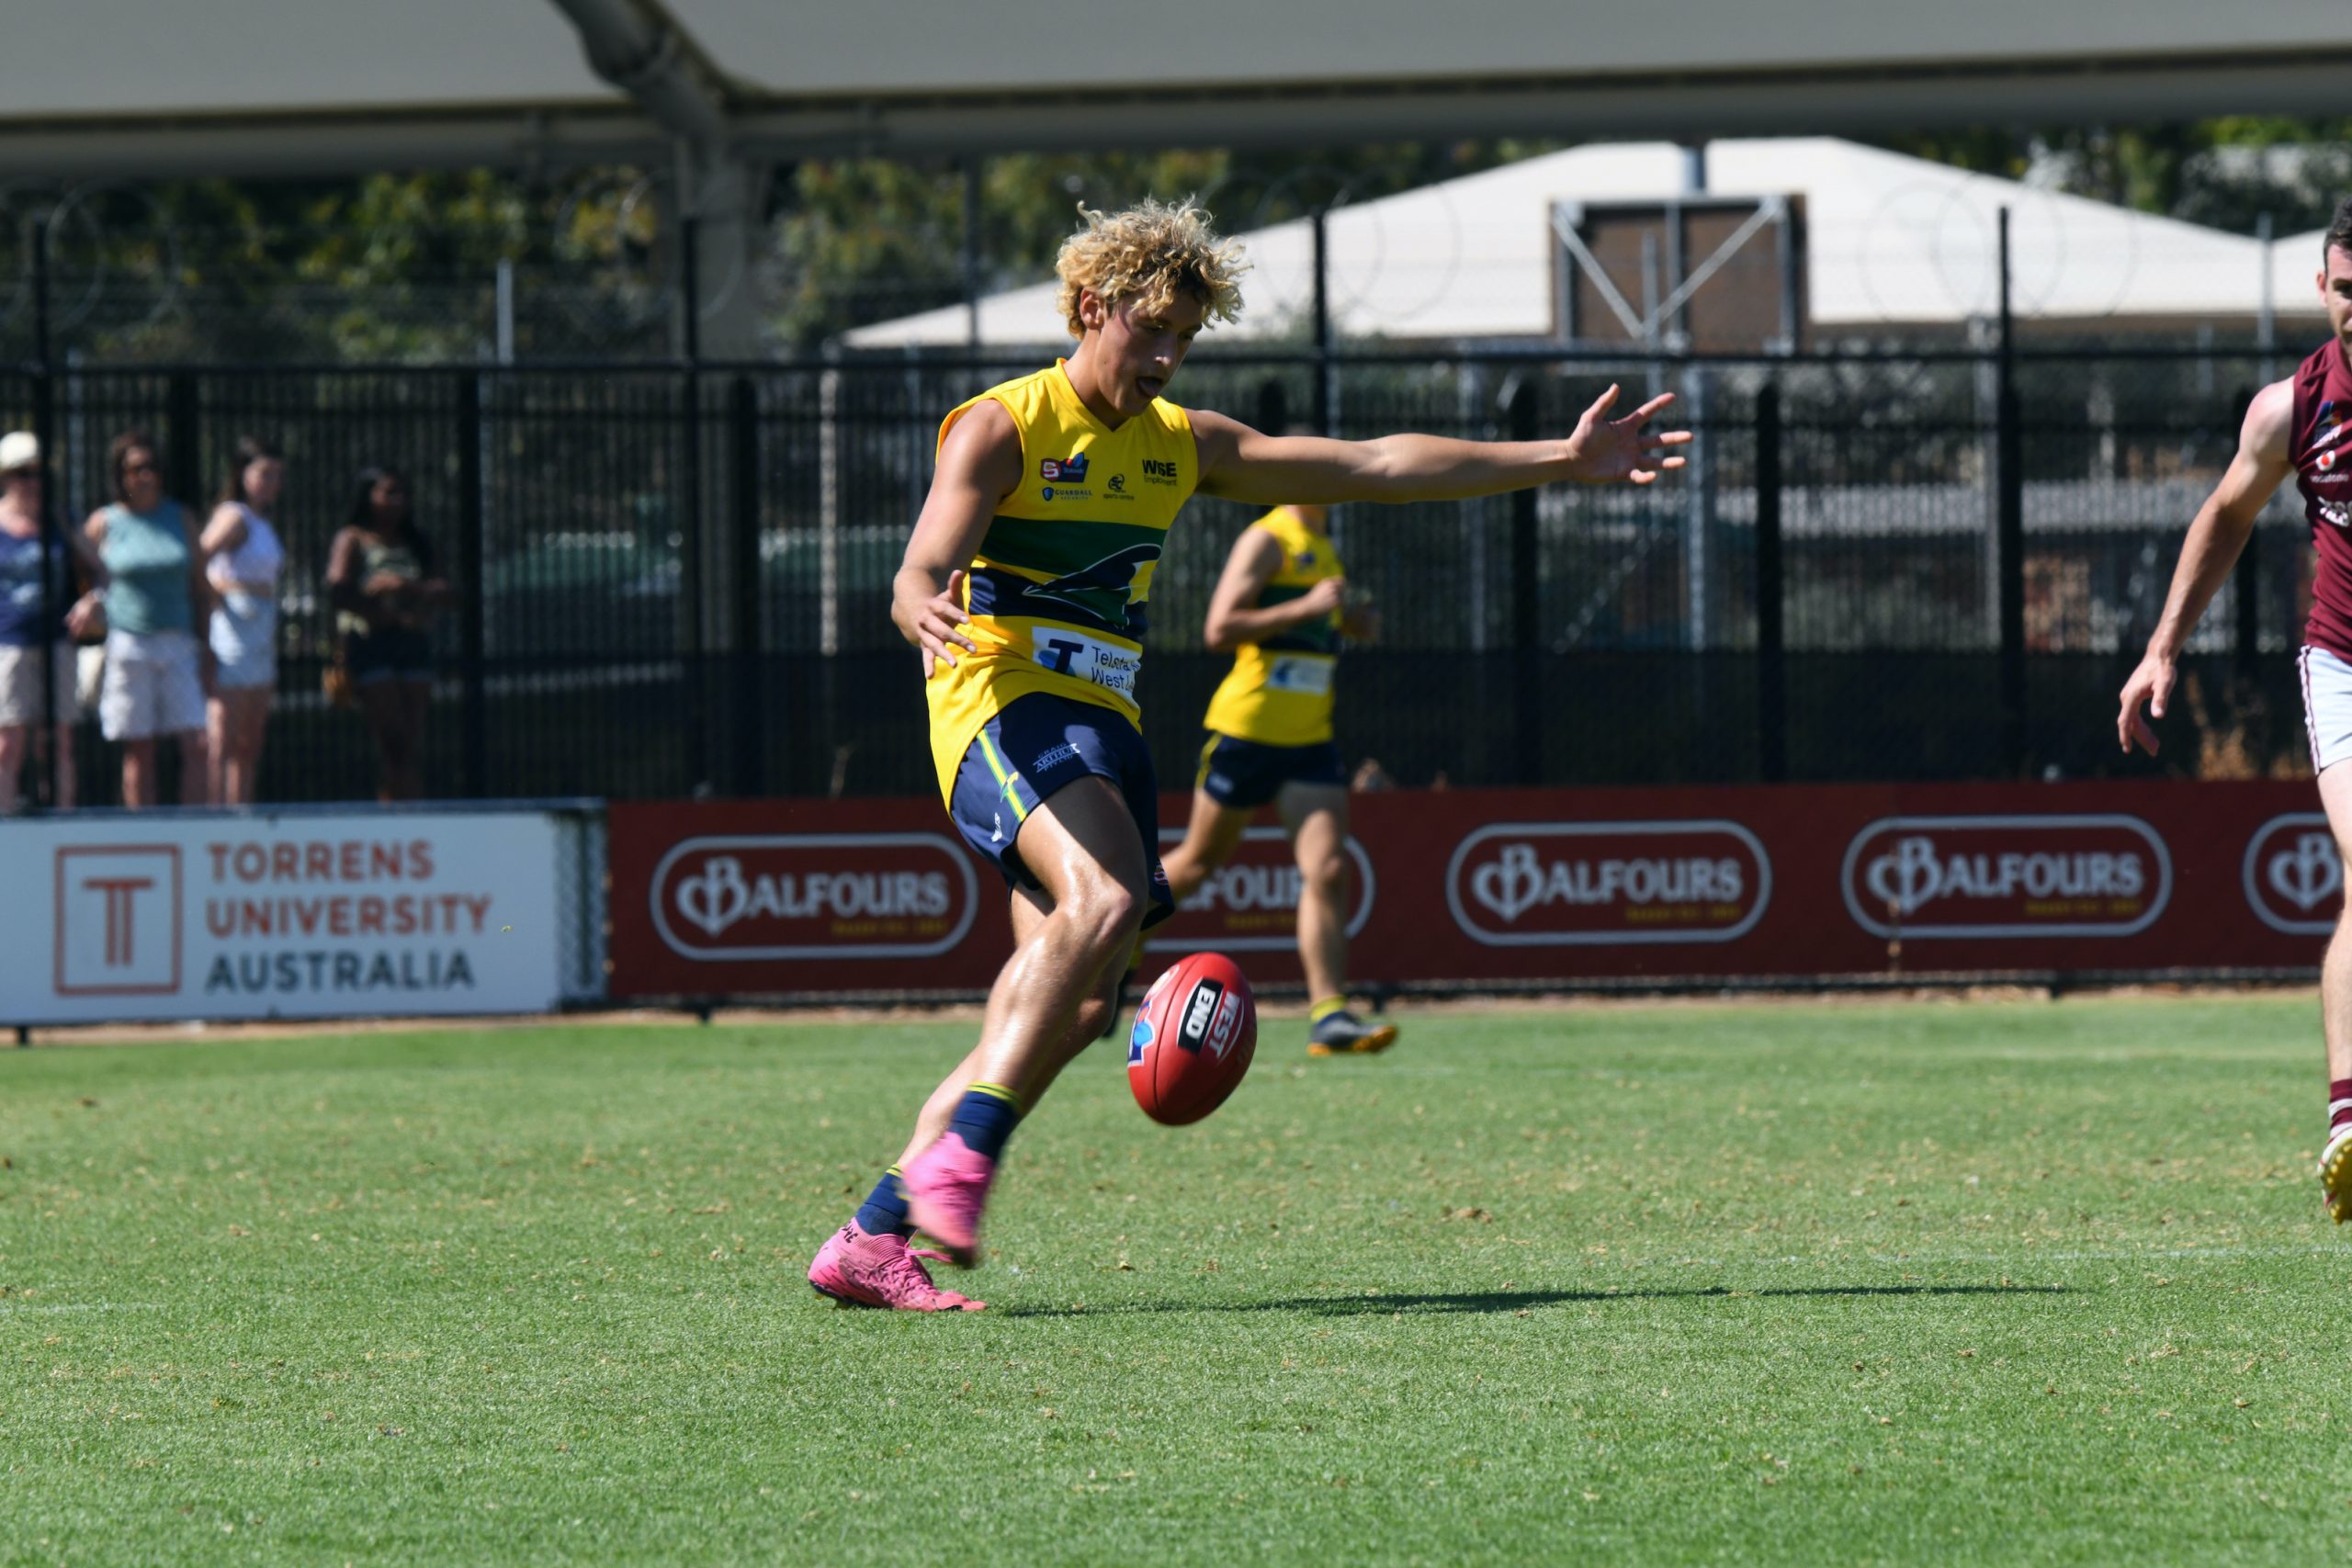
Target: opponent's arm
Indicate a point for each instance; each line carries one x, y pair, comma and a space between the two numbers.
979, 465
2211, 549
1235, 616
1242, 463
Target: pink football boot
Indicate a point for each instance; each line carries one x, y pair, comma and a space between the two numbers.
858, 1269
946, 1188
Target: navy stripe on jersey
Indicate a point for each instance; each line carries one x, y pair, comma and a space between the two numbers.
1006, 593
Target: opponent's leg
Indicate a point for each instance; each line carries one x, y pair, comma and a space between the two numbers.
1082, 845
2335, 1011
1317, 815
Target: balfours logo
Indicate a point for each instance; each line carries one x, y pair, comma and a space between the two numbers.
2293, 876
2006, 876
819, 896
1250, 903
1595, 884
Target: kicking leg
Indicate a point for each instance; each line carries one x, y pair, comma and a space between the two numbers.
1317, 815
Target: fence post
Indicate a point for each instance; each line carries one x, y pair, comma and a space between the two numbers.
473, 620
44, 435
183, 458
2010, 476
1323, 420
744, 453
1526, 600
1771, 651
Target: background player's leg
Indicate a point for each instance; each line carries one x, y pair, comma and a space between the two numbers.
1210, 840
1317, 815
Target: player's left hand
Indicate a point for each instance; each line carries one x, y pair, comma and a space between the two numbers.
2150, 685
1607, 451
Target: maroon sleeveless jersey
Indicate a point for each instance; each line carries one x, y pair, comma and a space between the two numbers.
2320, 442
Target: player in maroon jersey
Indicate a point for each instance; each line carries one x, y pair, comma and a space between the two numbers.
2303, 426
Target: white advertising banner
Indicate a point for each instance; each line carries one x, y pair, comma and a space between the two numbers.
221, 916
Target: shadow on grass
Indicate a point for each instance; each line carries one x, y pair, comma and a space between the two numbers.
1514, 1300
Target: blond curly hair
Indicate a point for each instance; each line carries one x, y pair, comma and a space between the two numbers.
1149, 253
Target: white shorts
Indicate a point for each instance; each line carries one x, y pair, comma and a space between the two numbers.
151, 686
21, 701
244, 643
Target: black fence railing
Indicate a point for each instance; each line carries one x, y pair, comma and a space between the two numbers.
674, 578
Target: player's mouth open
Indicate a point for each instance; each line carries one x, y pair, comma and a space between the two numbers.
1150, 385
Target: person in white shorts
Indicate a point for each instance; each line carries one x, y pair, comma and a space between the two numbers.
242, 560
155, 592
31, 550
2299, 428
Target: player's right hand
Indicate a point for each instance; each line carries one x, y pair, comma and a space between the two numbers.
1324, 598
935, 620
2152, 685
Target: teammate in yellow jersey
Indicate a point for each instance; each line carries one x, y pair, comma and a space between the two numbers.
1280, 608
1024, 589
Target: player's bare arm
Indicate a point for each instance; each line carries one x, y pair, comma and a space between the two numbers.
1242, 464
1235, 616
980, 464
2211, 549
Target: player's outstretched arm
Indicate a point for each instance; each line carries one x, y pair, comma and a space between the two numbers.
2215, 538
1242, 463
979, 465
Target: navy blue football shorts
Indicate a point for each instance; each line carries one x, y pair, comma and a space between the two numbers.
1247, 774
1037, 746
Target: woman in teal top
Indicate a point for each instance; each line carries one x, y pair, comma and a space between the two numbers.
157, 669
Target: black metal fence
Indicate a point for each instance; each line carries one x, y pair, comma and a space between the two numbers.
675, 579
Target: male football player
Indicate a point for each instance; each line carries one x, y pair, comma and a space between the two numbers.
2297, 426
1024, 589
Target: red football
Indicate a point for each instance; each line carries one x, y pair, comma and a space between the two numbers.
1192, 1039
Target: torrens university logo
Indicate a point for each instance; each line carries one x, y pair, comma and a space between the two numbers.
814, 896
1250, 904
2293, 876
2006, 876
117, 920
1608, 883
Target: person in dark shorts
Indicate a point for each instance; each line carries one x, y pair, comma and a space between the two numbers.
386, 586
1280, 608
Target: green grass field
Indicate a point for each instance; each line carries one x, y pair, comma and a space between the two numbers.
1860, 1283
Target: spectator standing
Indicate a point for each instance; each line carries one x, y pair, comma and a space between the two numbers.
156, 669
243, 559
386, 586
30, 545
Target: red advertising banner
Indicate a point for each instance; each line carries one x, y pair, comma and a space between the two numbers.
1522, 887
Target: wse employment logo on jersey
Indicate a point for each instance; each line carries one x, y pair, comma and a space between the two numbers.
2006, 876
2294, 878
814, 896
117, 920
1608, 883
1250, 903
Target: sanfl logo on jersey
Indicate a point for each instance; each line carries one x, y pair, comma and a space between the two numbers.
1066, 470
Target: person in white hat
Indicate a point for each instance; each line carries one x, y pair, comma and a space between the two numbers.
34, 620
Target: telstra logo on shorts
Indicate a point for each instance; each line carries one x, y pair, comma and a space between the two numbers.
2292, 874
821, 895
2006, 876
1608, 883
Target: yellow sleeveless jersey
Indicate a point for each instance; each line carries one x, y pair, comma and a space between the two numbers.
1279, 691
1056, 592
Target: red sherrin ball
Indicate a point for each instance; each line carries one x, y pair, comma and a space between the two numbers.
1192, 1039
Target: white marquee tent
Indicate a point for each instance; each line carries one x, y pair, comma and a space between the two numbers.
1890, 241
